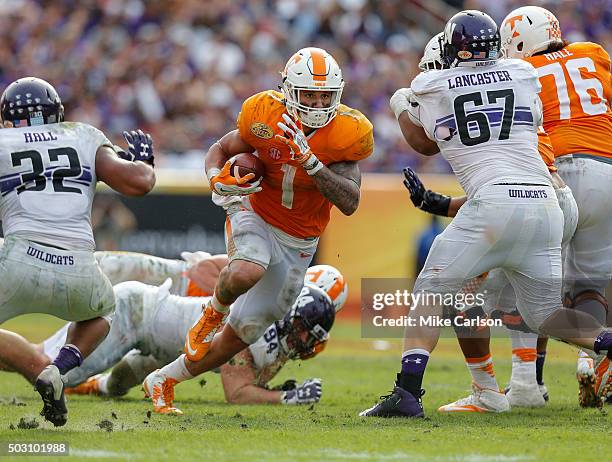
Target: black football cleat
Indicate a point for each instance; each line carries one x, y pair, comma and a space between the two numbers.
400, 403
51, 389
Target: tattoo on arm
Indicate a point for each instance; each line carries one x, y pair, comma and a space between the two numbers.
340, 183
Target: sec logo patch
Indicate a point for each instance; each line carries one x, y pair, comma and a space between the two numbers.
274, 154
261, 130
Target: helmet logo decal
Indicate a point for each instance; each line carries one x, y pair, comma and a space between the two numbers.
314, 275
261, 130
464, 54
512, 21
36, 118
296, 58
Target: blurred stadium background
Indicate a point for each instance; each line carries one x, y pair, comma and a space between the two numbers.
180, 69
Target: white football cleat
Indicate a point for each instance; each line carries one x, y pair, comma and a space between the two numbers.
481, 400
525, 395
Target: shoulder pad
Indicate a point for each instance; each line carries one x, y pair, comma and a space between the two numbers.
427, 82
353, 131
84, 129
264, 101
255, 113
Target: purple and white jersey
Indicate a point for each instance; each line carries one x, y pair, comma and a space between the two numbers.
485, 121
48, 181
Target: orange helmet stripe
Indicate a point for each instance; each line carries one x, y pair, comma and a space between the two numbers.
318, 65
335, 290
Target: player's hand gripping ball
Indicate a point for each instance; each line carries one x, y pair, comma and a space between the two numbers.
241, 175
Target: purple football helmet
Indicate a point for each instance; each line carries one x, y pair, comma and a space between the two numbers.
471, 38
31, 101
312, 312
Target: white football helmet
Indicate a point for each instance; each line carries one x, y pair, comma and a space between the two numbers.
312, 69
528, 30
432, 57
329, 279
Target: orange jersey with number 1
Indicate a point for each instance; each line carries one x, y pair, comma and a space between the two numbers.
576, 90
290, 200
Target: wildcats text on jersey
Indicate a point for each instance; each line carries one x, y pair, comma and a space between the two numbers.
481, 78
51, 258
528, 194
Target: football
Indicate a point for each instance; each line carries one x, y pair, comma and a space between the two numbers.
246, 163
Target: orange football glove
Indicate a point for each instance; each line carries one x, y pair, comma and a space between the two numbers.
298, 144
225, 184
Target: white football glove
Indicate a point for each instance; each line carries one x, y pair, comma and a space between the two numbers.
399, 101
404, 100
307, 392
194, 257
295, 139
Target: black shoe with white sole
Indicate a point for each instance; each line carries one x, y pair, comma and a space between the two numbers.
51, 389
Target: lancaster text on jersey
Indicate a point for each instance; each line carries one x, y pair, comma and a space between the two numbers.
482, 78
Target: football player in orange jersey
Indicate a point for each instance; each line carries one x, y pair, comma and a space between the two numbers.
310, 145
576, 93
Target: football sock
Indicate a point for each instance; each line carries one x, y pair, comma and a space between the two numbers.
603, 342
524, 355
482, 372
217, 305
68, 358
414, 363
177, 370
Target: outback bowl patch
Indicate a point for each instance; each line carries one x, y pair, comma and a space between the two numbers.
261, 130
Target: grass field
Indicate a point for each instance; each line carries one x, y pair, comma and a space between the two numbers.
353, 374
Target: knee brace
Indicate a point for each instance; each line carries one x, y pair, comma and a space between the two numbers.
470, 313
591, 302
512, 321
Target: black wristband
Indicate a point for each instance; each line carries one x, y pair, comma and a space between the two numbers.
435, 203
122, 152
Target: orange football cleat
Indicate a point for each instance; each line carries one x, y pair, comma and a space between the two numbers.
89, 387
585, 374
603, 380
200, 336
160, 389
482, 400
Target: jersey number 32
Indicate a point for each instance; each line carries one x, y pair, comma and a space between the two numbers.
36, 179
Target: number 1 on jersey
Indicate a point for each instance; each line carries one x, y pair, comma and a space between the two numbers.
288, 177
